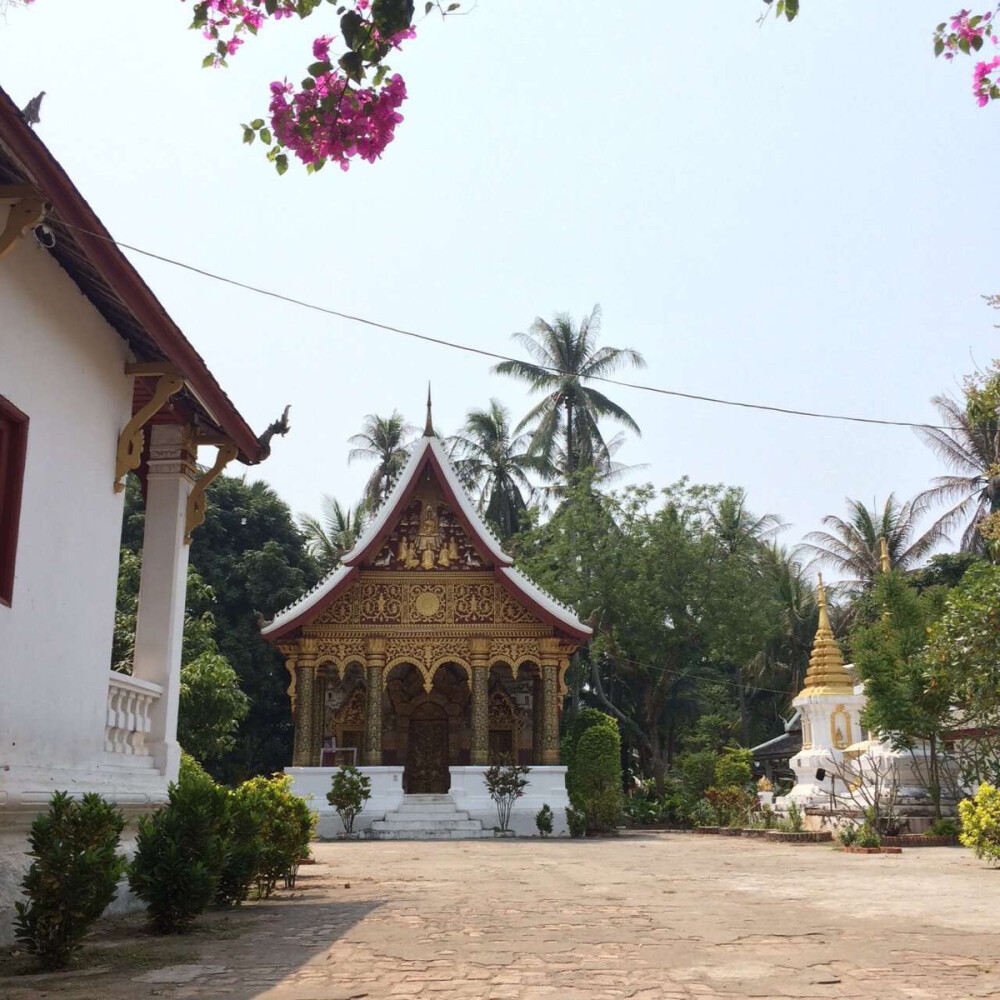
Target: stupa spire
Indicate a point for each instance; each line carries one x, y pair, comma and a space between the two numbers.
827, 673
429, 425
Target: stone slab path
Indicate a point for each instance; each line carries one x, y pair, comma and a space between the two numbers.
648, 917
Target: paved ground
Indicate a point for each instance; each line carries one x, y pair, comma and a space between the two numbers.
652, 917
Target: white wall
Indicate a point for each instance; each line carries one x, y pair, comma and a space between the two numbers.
62, 365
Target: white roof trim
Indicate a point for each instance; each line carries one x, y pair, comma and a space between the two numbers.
555, 608
307, 600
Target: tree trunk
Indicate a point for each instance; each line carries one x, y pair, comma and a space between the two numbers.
570, 454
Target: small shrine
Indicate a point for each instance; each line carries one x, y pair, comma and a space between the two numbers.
426, 656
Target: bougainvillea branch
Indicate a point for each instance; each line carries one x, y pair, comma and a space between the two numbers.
348, 105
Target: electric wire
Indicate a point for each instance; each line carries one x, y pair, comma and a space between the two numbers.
495, 356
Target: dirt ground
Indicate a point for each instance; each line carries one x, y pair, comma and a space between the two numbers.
652, 917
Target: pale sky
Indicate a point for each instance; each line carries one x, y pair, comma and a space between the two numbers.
794, 215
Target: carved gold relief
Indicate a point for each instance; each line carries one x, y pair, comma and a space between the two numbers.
474, 603
509, 611
428, 536
381, 604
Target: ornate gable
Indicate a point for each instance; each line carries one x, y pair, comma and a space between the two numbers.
428, 536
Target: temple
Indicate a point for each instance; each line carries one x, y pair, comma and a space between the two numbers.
425, 656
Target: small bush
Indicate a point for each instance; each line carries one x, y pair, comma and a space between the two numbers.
703, 814
695, 773
73, 878
287, 826
733, 769
244, 850
793, 821
847, 834
351, 790
732, 804
543, 820
944, 827
506, 784
597, 789
868, 836
180, 853
576, 821
980, 818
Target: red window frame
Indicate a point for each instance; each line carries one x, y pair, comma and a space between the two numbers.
13, 451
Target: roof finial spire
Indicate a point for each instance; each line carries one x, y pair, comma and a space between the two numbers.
826, 673
429, 426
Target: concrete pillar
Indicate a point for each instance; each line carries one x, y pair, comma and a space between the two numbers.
548, 658
479, 664
159, 632
374, 669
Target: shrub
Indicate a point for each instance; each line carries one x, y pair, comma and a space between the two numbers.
597, 789
732, 804
868, 836
847, 834
944, 827
703, 814
733, 769
506, 784
793, 821
980, 818
287, 826
581, 722
73, 878
179, 854
543, 820
244, 850
351, 790
576, 821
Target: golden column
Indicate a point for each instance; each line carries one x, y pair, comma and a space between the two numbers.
305, 721
375, 666
319, 717
549, 654
479, 661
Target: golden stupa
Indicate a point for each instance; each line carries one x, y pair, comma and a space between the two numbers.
827, 673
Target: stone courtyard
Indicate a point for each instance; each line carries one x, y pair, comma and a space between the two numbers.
653, 916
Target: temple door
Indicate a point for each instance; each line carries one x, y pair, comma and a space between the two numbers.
426, 770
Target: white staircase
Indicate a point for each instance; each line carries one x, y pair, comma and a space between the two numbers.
428, 817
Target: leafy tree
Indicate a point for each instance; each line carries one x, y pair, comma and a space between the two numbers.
971, 447
902, 703
852, 546
493, 463
963, 659
333, 534
349, 791
568, 416
384, 441
211, 707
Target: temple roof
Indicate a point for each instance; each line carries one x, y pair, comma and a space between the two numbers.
427, 454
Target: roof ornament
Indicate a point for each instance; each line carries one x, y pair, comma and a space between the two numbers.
827, 673
32, 110
429, 425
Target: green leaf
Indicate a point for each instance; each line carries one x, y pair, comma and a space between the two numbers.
207, 61
453, 6
977, 42
429, 6
352, 27
281, 163
257, 123
308, 83
351, 64
791, 9
939, 47
380, 75
248, 134
963, 44
319, 68
265, 135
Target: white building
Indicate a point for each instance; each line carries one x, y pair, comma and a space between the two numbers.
95, 381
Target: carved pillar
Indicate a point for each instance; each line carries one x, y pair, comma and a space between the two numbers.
374, 669
536, 719
479, 661
548, 658
305, 675
319, 717
159, 632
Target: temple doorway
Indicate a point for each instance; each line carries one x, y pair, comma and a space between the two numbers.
427, 758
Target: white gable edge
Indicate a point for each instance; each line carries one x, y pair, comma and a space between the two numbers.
544, 600
307, 601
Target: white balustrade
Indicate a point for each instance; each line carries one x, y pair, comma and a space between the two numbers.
130, 703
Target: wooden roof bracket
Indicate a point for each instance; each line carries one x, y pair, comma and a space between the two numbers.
131, 440
228, 450
27, 210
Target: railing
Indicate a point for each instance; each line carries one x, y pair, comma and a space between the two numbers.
130, 704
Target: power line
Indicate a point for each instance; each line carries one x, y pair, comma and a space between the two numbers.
494, 356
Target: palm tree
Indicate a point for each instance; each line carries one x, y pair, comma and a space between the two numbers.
972, 449
328, 537
568, 416
738, 529
384, 440
852, 547
493, 462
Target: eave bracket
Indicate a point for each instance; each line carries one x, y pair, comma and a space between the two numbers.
131, 441
196, 500
27, 210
